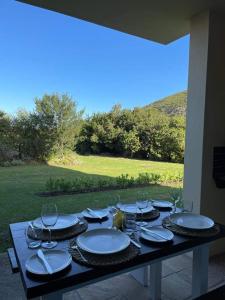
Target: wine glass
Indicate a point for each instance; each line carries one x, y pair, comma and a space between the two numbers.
174, 207
142, 203
49, 217
187, 206
31, 239
118, 201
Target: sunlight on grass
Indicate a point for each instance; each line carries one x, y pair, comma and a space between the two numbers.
19, 185
115, 166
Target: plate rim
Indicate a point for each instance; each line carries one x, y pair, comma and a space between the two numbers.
62, 228
149, 206
192, 228
101, 253
64, 266
159, 241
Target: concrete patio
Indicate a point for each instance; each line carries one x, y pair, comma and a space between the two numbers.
176, 282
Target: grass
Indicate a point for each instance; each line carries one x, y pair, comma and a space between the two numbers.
115, 166
18, 186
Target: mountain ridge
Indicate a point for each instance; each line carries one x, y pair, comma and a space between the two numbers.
174, 104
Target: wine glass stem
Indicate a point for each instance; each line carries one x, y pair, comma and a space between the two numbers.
49, 235
141, 214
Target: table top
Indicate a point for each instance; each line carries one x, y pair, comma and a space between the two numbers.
78, 274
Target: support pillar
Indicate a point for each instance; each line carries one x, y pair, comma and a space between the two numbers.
205, 115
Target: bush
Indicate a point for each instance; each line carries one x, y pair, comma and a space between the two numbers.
14, 162
17, 162
5, 164
88, 184
69, 158
124, 181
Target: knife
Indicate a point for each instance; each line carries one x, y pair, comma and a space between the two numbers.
41, 255
93, 213
154, 233
135, 243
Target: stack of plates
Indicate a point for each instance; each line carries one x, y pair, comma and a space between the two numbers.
63, 222
103, 241
191, 221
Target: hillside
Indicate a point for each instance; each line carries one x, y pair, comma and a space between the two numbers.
172, 105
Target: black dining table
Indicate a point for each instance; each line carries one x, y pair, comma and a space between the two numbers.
145, 267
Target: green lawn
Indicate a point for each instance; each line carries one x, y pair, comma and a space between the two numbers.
18, 186
115, 166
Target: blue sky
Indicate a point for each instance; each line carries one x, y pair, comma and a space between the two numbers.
44, 52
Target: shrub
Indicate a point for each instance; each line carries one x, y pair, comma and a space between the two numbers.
5, 164
50, 185
14, 162
69, 158
17, 162
88, 184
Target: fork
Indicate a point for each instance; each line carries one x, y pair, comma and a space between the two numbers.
78, 250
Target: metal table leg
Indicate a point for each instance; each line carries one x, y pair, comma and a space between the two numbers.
141, 275
155, 280
200, 270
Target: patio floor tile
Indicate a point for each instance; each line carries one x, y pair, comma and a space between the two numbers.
176, 282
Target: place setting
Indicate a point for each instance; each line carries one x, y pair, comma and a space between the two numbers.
186, 223
103, 247
95, 215
55, 226
143, 209
42, 235
156, 235
48, 263
162, 204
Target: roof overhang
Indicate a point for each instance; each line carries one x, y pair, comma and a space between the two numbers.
161, 21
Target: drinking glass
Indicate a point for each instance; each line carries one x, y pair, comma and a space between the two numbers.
174, 207
142, 203
118, 202
113, 211
49, 217
187, 206
129, 222
31, 243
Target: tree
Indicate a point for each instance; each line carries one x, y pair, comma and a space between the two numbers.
58, 115
7, 151
51, 128
130, 143
141, 132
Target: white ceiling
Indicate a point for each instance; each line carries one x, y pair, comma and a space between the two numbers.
162, 21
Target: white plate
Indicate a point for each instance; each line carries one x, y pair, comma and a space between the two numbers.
103, 241
58, 260
191, 221
158, 235
132, 208
162, 203
63, 222
100, 212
